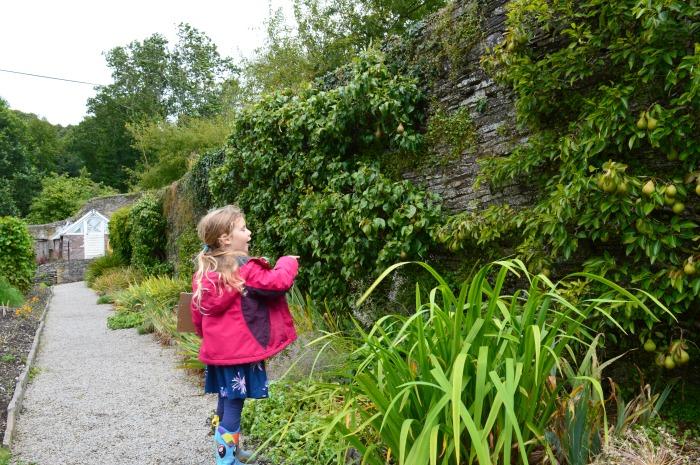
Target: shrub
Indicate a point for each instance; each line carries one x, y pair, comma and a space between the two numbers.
170, 146
155, 299
9, 295
100, 265
188, 246
17, 262
148, 235
188, 347
119, 233
62, 196
124, 320
117, 279
283, 426
198, 181
105, 299
306, 169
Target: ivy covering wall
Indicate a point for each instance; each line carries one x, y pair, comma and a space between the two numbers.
306, 169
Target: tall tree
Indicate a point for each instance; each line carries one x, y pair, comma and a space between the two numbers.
328, 34
47, 150
62, 196
200, 80
152, 82
18, 177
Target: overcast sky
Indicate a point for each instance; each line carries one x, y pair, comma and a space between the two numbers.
67, 39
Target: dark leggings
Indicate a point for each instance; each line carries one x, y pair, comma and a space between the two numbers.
229, 411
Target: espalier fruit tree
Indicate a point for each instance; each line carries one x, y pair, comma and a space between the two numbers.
610, 96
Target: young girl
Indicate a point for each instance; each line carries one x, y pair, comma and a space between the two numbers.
240, 311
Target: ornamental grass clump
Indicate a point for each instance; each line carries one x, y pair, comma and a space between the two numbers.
155, 299
472, 377
101, 265
116, 279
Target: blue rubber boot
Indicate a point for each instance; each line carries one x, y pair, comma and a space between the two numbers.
244, 456
226, 446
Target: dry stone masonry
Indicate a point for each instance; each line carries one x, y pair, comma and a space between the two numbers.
489, 105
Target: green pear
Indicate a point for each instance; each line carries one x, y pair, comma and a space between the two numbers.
650, 345
642, 121
651, 123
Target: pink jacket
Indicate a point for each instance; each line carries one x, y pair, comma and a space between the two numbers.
237, 329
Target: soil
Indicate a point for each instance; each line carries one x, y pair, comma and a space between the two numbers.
18, 326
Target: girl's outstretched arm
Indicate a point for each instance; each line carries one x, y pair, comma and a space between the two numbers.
259, 275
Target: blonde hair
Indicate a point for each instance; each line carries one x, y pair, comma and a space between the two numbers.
210, 228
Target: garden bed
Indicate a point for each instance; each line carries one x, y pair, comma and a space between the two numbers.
17, 329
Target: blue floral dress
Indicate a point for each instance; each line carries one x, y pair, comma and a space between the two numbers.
247, 381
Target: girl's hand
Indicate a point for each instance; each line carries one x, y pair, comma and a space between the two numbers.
296, 257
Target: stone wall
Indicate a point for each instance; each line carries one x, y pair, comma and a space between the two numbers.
491, 107
45, 231
61, 271
109, 204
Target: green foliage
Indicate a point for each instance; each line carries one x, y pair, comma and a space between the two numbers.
476, 228
683, 407
611, 104
5, 456
198, 181
10, 295
154, 299
100, 265
105, 299
328, 35
167, 148
47, 147
102, 143
124, 320
18, 177
455, 132
62, 196
117, 279
447, 138
188, 246
482, 369
304, 169
455, 32
147, 235
137, 235
188, 347
152, 82
579, 427
17, 262
119, 234
287, 425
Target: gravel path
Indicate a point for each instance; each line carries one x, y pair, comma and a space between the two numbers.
108, 397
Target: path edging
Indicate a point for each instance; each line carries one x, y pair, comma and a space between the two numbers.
16, 403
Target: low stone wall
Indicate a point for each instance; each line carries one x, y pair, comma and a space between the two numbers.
45, 231
61, 271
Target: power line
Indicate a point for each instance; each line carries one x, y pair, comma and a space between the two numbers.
49, 77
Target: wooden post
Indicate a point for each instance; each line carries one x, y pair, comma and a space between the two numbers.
184, 317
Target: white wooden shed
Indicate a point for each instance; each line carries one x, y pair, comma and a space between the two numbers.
88, 237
